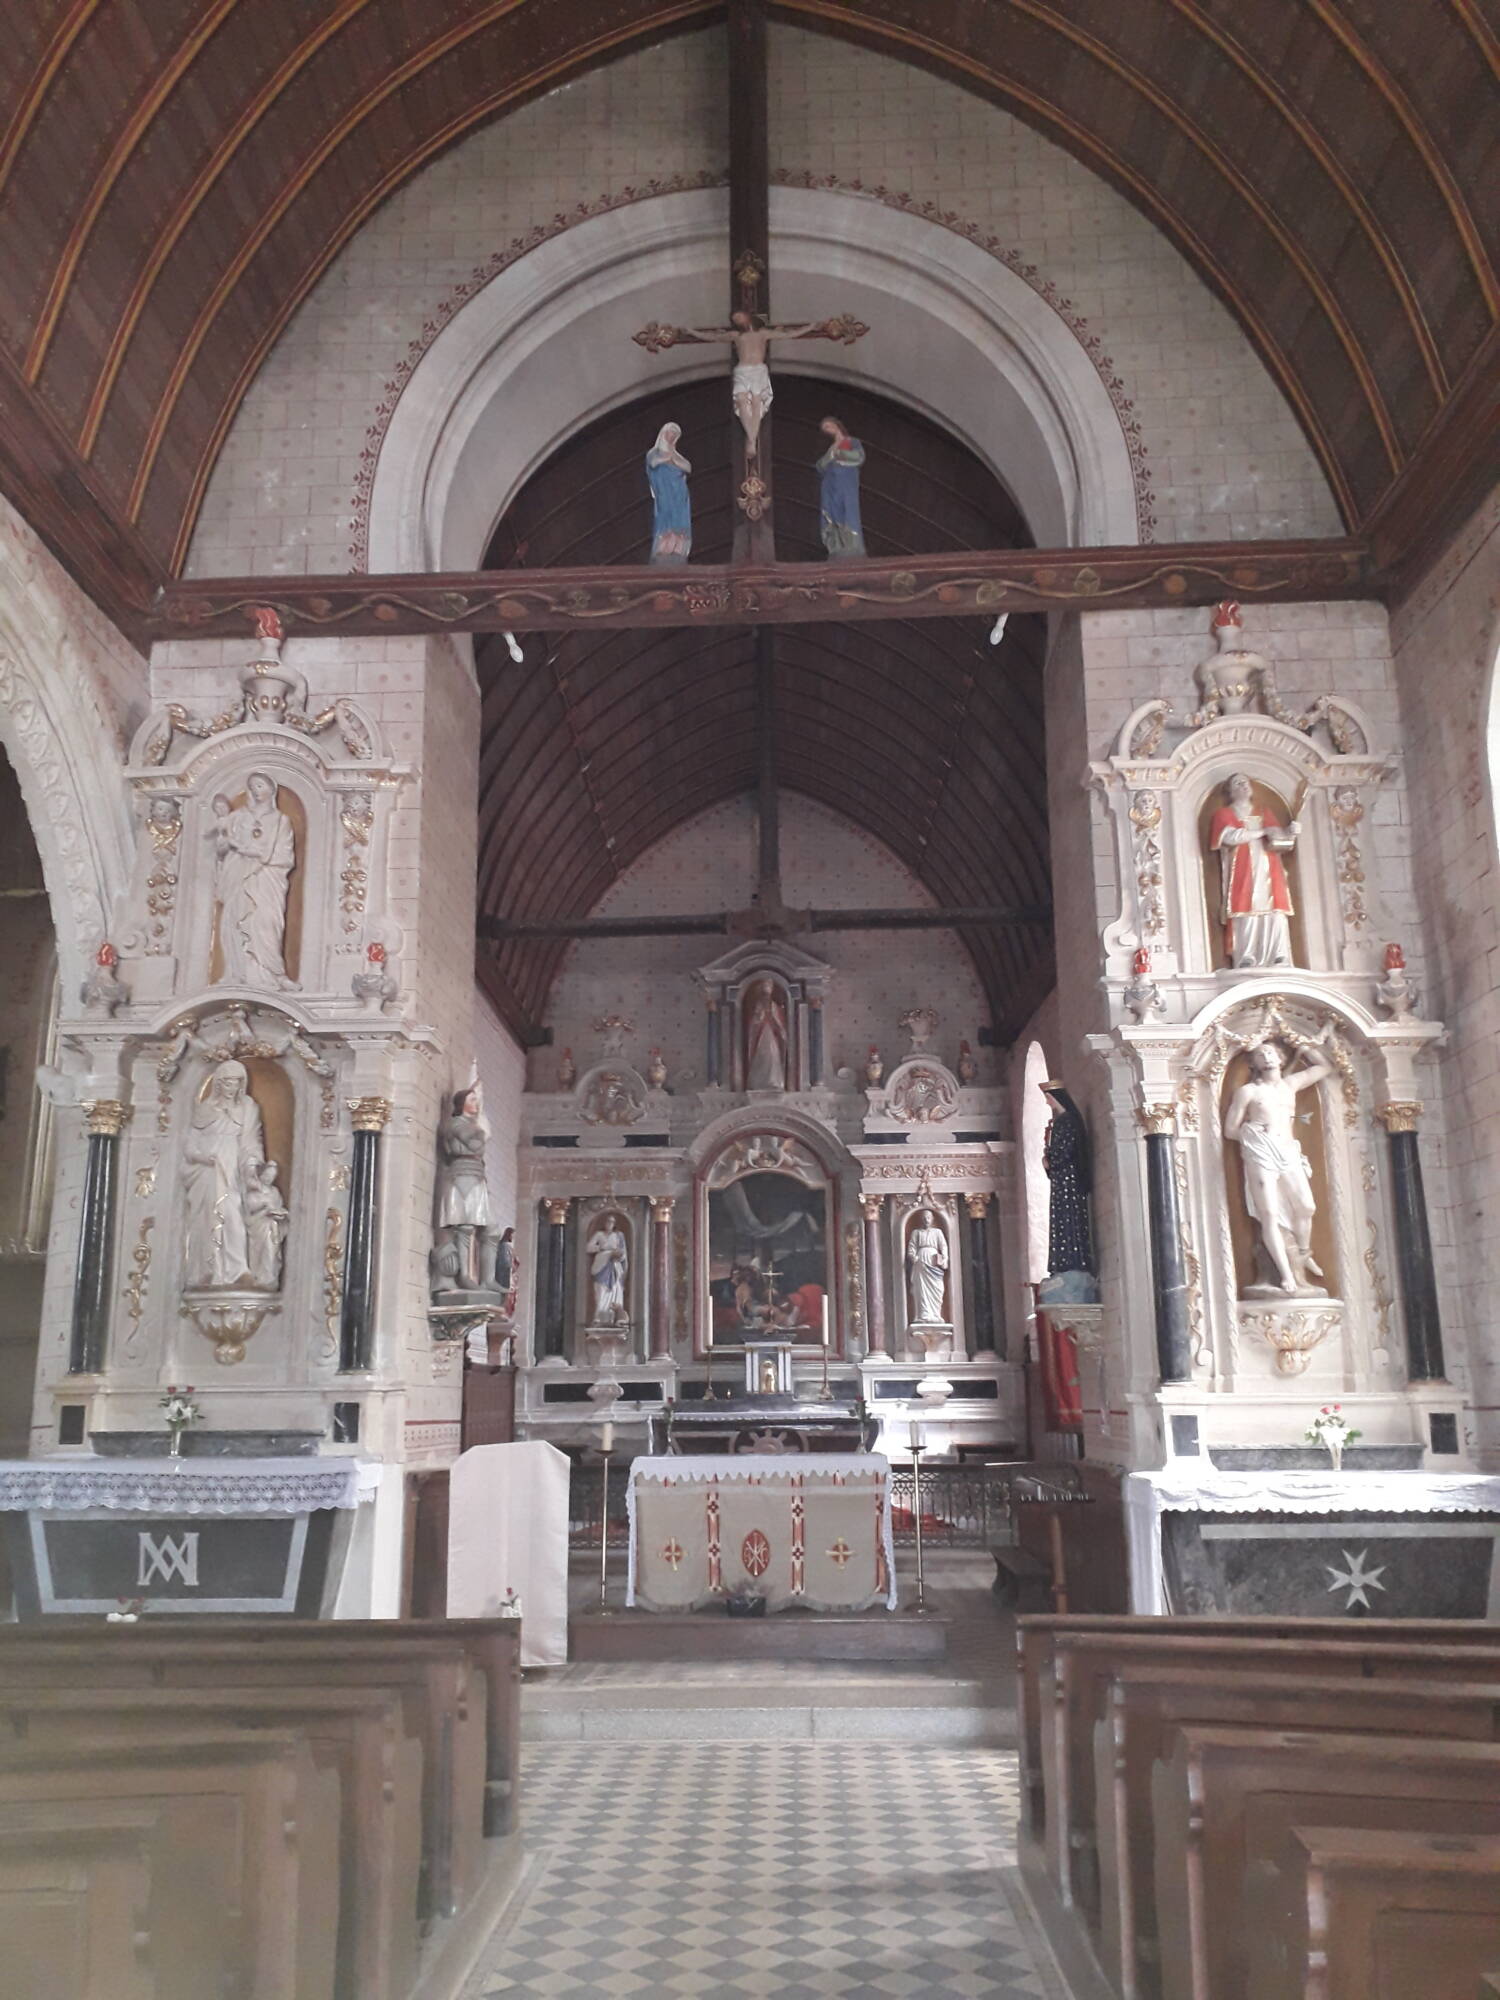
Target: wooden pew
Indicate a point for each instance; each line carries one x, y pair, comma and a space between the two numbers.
436, 1679
247, 1855
1405, 1916
1035, 1635
75, 1886
1225, 1798
362, 1733
493, 1644
1145, 1704
1083, 1664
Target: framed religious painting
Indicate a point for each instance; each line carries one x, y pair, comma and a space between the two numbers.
766, 1232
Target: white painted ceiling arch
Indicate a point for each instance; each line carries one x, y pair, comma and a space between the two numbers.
545, 348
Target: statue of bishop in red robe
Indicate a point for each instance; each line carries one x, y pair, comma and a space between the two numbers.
1255, 900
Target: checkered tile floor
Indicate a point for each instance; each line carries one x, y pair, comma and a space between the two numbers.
787, 1872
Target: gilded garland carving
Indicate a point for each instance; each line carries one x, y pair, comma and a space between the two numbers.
333, 1283
1270, 1023
1197, 1341
853, 1277
236, 1040
1145, 817
134, 1290
357, 817
1380, 1294
1346, 811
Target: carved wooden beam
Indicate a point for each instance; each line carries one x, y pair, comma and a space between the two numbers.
974, 583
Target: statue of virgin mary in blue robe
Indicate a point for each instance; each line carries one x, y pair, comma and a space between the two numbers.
672, 510
838, 469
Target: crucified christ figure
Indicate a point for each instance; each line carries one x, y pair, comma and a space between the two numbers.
750, 335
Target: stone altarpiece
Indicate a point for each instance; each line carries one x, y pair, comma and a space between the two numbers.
237, 1057
827, 1175
1236, 1362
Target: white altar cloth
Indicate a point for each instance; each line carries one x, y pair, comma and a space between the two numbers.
508, 1529
185, 1485
1185, 1488
809, 1531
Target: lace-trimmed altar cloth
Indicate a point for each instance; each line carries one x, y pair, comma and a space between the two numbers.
186, 1485
808, 1531
1280, 1490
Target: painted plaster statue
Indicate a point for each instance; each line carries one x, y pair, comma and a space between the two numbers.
1278, 1179
609, 1266
224, 1159
838, 488
1067, 1159
255, 851
1255, 901
927, 1271
765, 1037
671, 506
750, 335
463, 1196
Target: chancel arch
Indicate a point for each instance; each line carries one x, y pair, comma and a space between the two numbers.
956, 334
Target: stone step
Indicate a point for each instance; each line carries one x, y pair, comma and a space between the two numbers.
921, 1709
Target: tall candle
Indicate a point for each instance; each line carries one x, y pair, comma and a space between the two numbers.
607, 1437
825, 1319
916, 1436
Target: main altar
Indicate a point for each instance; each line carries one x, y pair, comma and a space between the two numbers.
810, 1533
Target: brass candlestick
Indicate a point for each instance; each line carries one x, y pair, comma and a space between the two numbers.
604, 1535
917, 1449
825, 1394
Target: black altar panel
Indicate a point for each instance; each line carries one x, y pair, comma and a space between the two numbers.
1327, 1566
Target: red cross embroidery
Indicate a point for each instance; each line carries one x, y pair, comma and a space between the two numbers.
672, 1553
840, 1552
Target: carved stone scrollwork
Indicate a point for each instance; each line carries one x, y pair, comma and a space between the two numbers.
1293, 1336
612, 1094
1145, 818
922, 1093
229, 1320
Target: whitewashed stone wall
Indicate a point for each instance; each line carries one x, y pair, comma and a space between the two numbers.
501, 1065
1446, 638
1225, 455
709, 864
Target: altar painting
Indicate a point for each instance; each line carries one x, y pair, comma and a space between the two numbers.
767, 1259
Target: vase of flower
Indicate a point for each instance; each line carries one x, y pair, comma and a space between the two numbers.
179, 1410
1330, 1429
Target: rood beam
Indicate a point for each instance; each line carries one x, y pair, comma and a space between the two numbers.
975, 583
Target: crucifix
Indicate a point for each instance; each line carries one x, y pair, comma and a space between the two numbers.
750, 330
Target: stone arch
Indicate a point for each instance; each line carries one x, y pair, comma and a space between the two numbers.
545, 347
68, 770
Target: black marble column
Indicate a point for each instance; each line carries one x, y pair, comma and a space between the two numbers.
94, 1275
357, 1311
981, 1286
1419, 1302
1174, 1347
713, 1051
555, 1280
814, 1043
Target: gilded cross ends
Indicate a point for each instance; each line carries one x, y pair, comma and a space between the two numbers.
655, 337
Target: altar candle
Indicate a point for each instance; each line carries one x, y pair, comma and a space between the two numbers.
825, 1319
916, 1435
607, 1438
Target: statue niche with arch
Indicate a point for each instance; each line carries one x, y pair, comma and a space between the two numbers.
765, 1002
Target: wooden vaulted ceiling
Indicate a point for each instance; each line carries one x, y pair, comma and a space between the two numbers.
175, 175
920, 732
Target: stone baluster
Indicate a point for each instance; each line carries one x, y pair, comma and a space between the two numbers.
878, 1336
661, 1277
554, 1288
370, 1116
1174, 1346
1419, 1301
94, 1274
981, 1286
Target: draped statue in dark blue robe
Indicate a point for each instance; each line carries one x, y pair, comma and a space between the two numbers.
672, 510
838, 470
